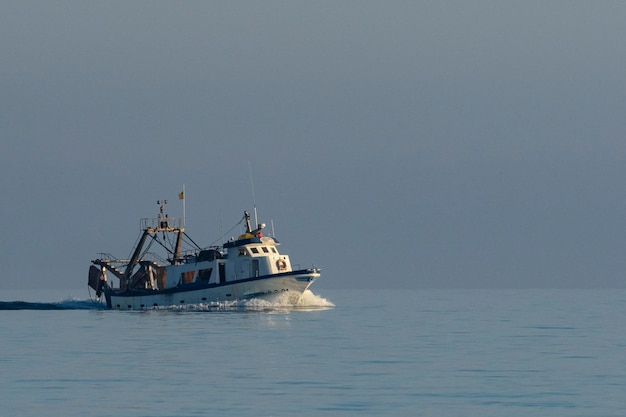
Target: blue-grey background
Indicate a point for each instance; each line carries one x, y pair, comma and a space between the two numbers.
398, 144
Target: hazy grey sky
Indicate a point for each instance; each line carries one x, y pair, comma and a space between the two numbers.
395, 144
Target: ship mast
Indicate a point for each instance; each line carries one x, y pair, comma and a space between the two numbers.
163, 224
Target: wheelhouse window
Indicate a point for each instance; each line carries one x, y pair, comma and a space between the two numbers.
187, 277
205, 274
265, 249
254, 250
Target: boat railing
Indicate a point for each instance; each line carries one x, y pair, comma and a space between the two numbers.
111, 258
153, 257
186, 254
161, 223
194, 254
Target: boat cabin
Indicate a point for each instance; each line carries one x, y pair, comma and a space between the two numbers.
248, 257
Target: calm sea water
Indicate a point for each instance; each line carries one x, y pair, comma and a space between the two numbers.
395, 353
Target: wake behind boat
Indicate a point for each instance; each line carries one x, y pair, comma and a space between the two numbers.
243, 268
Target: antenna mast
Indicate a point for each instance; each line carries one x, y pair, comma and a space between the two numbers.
256, 220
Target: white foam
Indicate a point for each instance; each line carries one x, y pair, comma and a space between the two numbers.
312, 300
282, 302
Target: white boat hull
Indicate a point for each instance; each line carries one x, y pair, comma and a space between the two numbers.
268, 287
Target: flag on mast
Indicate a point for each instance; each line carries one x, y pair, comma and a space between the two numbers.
181, 196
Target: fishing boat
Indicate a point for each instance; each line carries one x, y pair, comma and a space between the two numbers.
247, 267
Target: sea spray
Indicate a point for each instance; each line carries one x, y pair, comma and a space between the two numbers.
283, 302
